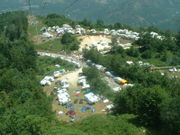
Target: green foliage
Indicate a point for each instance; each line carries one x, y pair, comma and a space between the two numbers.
116, 49
107, 124
152, 93
24, 107
165, 50
26, 110
100, 25
70, 42
46, 65
86, 23
145, 102
67, 43
133, 52
97, 84
170, 114
14, 25
51, 45
93, 55
56, 20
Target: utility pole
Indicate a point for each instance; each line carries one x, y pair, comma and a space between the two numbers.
34, 21
29, 4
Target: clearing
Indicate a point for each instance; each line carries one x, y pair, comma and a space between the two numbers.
73, 78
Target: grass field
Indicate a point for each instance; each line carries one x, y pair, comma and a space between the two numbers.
50, 46
35, 25
46, 66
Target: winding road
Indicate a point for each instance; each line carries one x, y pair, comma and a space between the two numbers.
111, 83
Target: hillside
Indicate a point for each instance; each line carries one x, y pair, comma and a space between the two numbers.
56, 89
137, 13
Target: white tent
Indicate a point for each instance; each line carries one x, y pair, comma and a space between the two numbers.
56, 74
116, 89
63, 96
47, 80
109, 107
91, 98
47, 35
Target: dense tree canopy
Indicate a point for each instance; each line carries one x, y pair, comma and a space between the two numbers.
24, 107
154, 98
70, 42
26, 110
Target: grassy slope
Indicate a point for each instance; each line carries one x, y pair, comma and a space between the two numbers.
51, 45
46, 66
110, 125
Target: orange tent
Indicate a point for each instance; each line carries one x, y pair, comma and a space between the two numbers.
123, 81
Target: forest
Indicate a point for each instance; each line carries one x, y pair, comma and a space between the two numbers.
24, 107
155, 97
153, 104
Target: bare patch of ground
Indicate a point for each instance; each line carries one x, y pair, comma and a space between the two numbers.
73, 78
87, 40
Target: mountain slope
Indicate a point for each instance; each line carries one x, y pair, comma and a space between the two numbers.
164, 14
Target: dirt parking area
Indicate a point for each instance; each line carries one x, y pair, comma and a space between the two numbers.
77, 100
87, 40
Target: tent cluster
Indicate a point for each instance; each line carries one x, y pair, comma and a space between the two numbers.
82, 81
125, 33
91, 98
63, 96
174, 70
140, 63
97, 66
156, 35
100, 46
119, 80
125, 46
75, 63
122, 33
56, 30
58, 73
109, 107
86, 108
65, 83
47, 35
47, 80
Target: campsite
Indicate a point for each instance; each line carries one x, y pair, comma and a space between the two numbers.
65, 77
78, 103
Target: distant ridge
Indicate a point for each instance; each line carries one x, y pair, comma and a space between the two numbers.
164, 14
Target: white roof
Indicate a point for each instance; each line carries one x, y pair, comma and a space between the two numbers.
45, 82
85, 85
48, 35
105, 101
116, 89
118, 78
109, 107
49, 78
92, 97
